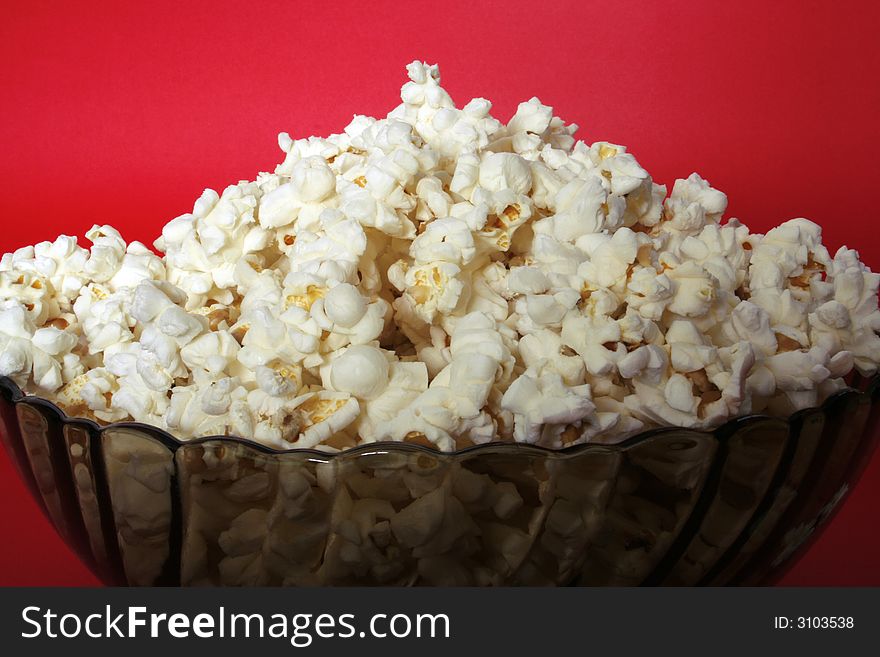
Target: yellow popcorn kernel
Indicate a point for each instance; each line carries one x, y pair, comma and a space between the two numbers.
69, 398
98, 292
420, 293
360, 181
426, 282
421, 277
606, 151
305, 301
316, 410
289, 372
511, 212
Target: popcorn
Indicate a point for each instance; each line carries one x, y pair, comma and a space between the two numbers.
95, 389
595, 339
61, 263
325, 414
695, 290
620, 171
527, 280
504, 171
40, 355
343, 305
692, 205
406, 381
721, 251
433, 200
649, 293
785, 274
610, 257
332, 253
433, 288
445, 240
536, 401
311, 181
267, 337
211, 355
203, 248
751, 322
544, 349
441, 278
361, 371
104, 317
32, 292
138, 264
107, 252
212, 410
583, 206
850, 321
532, 118
16, 352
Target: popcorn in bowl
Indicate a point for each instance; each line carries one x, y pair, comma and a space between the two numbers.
441, 278
438, 349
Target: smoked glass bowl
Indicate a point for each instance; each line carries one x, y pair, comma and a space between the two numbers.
670, 506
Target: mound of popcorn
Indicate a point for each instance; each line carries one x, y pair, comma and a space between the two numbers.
442, 278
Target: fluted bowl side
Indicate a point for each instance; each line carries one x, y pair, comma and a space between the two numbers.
669, 506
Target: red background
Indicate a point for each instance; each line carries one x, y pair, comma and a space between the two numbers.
122, 113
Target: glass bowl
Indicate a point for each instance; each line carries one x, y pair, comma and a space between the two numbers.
669, 506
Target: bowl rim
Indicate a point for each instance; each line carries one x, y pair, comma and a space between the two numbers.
857, 386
